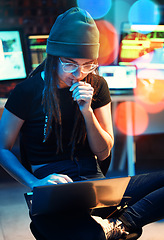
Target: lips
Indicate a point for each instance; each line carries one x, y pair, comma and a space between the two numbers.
73, 81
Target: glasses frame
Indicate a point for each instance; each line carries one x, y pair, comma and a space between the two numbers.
77, 66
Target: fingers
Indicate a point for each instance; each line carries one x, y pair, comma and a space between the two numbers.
51, 182
68, 179
82, 95
58, 178
81, 83
83, 98
53, 179
82, 91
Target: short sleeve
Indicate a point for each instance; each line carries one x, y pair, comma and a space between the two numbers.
102, 97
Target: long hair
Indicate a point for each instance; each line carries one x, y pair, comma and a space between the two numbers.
51, 104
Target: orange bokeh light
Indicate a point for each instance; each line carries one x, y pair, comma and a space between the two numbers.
109, 43
131, 118
152, 108
150, 93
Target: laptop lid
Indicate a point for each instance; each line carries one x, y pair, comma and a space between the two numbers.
71, 196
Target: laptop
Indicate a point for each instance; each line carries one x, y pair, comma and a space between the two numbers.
121, 80
89, 194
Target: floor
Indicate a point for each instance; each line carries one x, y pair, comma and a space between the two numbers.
14, 219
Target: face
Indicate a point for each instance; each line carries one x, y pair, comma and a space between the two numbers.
67, 79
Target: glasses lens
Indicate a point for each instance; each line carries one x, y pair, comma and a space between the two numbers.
69, 67
89, 67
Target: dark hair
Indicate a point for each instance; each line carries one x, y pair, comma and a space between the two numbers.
51, 105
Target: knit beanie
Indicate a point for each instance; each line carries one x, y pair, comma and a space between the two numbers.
74, 35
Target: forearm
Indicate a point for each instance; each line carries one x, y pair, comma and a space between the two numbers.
12, 165
101, 142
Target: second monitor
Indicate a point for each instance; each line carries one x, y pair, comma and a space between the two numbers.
37, 45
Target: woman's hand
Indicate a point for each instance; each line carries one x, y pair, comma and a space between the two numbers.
82, 93
53, 179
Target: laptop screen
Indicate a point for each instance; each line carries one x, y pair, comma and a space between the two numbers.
120, 79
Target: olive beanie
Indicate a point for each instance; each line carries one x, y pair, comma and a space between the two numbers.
74, 35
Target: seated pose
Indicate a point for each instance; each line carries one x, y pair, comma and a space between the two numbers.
62, 112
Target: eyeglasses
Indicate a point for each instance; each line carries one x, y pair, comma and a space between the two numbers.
72, 67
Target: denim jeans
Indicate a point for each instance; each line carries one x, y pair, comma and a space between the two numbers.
76, 170
147, 203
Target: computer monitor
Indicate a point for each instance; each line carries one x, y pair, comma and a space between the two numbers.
37, 45
14, 64
142, 45
121, 80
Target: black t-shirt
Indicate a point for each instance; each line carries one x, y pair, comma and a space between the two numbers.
25, 103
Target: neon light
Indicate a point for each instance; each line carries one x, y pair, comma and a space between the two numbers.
38, 36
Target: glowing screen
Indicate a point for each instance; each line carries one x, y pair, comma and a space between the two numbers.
120, 79
37, 45
12, 63
143, 50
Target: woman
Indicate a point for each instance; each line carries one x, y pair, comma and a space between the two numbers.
63, 114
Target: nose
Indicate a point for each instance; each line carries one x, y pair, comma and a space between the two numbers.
77, 74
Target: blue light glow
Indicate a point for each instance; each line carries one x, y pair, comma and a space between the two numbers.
144, 12
96, 8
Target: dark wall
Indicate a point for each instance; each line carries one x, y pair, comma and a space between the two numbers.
33, 15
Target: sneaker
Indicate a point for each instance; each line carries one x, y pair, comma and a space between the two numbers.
133, 235
113, 228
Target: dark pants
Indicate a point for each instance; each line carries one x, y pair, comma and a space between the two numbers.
146, 206
73, 226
